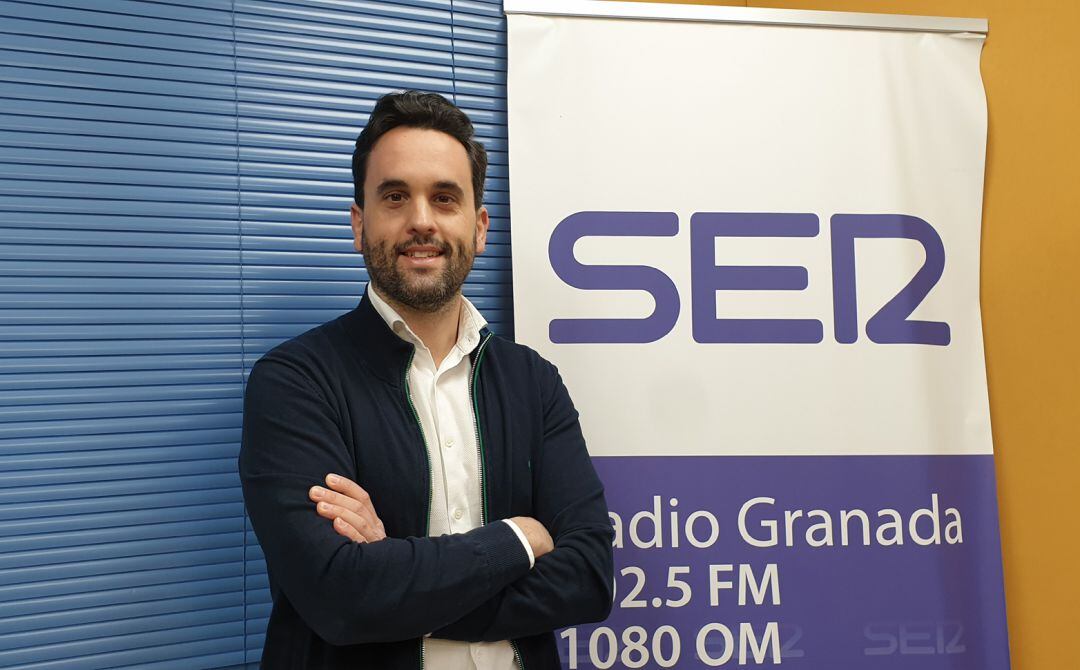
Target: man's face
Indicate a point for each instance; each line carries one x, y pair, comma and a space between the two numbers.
419, 229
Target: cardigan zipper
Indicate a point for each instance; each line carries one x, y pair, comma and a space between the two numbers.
476, 429
517, 655
480, 460
423, 438
427, 457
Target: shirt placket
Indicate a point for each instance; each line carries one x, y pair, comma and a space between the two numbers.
452, 448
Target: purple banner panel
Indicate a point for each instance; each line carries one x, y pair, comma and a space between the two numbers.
816, 562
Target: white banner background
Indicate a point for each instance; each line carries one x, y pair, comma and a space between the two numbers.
685, 117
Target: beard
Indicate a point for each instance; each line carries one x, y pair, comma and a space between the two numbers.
424, 292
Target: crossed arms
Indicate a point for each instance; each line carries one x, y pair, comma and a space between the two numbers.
351, 511
474, 586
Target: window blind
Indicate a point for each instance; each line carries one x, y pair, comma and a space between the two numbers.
174, 186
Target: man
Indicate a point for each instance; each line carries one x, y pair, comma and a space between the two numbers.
420, 487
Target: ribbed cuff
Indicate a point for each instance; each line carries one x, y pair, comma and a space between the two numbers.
505, 556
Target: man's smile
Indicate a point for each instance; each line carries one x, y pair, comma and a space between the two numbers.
421, 256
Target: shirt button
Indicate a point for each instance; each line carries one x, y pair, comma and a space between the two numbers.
458, 514
449, 443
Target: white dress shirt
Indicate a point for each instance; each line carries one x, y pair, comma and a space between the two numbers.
441, 397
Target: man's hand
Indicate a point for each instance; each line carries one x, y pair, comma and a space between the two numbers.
538, 536
349, 507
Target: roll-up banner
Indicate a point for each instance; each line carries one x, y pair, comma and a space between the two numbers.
749, 239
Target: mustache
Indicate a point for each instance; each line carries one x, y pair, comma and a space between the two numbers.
426, 241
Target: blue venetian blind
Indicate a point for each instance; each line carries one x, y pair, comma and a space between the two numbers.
174, 181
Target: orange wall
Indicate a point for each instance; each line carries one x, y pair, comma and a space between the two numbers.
1030, 304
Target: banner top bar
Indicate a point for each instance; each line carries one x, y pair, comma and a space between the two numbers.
783, 17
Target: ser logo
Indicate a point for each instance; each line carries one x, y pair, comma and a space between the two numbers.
914, 638
890, 325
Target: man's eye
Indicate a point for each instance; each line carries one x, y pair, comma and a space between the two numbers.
395, 197
444, 199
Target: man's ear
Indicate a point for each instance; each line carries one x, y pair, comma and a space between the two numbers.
482, 225
356, 217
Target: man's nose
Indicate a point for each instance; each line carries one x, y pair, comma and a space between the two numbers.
422, 219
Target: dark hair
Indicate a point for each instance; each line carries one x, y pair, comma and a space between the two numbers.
414, 109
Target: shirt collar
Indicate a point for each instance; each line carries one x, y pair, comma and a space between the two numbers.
470, 322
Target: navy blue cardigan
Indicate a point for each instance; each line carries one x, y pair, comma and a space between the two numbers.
335, 400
